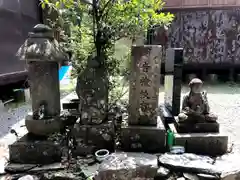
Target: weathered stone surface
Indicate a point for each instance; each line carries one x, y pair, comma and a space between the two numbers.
44, 87
198, 128
126, 166
41, 46
43, 126
32, 150
200, 142
28, 177
144, 84
225, 167
100, 136
43, 53
143, 138
92, 90
63, 175
19, 168
14, 168
83, 149
161, 173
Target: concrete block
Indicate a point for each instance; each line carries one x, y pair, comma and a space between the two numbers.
149, 139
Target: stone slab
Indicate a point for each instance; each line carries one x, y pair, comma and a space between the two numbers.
126, 166
200, 167
32, 150
100, 136
212, 144
147, 139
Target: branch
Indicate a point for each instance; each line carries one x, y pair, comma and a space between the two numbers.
104, 7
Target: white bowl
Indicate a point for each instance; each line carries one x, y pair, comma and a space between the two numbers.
101, 154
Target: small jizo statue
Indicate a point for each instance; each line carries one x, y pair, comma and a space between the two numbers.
195, 107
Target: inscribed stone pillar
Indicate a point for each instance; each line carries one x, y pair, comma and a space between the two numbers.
144, 84
173, 79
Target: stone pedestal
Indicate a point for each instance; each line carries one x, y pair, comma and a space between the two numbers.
198, 128
34, 150
212, 144
150, 139
173, 79
94, 137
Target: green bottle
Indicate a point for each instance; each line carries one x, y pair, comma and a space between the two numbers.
170, 139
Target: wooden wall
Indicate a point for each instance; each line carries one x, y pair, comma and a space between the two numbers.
200, 3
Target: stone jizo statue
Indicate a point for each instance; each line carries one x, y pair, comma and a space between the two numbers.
195, 107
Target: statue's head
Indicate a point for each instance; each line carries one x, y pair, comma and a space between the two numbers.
196, 85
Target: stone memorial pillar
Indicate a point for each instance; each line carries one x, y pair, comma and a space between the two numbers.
43, 55
173, 79
144, 131
144, 85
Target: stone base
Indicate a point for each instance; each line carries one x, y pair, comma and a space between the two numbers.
212, 144
97, 136
198, 128
147, 139
34, 150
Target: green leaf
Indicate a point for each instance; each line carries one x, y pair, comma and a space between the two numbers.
57, 4
43, 5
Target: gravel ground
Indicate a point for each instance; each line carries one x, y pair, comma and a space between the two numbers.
224, 101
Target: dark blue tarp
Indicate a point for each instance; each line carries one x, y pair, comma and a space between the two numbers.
17, 18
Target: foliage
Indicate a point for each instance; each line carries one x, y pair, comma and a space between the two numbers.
97, 25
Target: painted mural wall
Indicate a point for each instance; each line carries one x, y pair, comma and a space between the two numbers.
207, 36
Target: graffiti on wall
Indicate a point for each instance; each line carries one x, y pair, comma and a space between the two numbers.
211, 36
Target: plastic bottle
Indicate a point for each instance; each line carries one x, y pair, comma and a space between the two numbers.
170, 139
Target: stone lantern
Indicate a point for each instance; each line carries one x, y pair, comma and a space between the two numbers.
43, 56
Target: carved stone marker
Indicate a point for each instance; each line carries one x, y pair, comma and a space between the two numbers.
144, 131
173, 79
43, 55
144, 84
